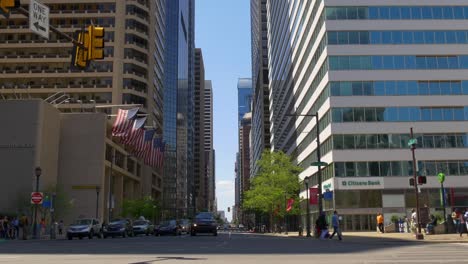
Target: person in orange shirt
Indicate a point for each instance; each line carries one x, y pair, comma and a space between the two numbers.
380, 221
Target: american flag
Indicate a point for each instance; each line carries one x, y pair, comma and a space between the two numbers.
144, 146
124, 121
157, 153
132, 137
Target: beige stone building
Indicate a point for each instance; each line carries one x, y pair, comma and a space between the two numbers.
76, 153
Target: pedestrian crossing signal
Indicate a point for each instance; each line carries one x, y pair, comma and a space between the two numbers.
95, 43
411, 181
80, 53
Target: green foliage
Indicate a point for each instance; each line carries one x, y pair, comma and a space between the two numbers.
146, 207
394, 218
439, 217
62, 203
276, 181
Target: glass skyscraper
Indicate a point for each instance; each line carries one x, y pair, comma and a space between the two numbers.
178, 109
244, 97
372, 70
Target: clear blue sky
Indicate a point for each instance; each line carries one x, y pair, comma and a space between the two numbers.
223, 33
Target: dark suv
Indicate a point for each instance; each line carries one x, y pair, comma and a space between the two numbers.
204, 223
118, 227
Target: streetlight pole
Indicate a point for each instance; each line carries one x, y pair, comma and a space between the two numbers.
38, 172
415, 173
307, 205
319, 163
98, 188
109, 214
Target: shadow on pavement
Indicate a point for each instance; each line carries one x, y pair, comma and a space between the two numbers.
222, 244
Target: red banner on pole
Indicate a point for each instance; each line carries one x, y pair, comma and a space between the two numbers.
313, 195
289, 205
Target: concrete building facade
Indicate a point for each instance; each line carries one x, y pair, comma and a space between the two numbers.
210, 154
77, 156
372, 70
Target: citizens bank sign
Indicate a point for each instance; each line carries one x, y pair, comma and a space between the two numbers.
360, 183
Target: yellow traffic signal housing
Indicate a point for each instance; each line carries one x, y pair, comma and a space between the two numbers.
6, 5
96, 43
80, 54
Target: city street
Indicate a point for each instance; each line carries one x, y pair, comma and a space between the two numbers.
239, 248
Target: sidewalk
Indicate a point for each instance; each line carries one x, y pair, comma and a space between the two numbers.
439, 238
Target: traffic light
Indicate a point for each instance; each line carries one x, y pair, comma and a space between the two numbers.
411, 181
96, 43
6, 5
80, 54
422, 180
229, 209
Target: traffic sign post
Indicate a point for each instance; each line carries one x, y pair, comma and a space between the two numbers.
37, 197
441, 178
39, 18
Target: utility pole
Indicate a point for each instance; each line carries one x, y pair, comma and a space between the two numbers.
419, 235
308, 207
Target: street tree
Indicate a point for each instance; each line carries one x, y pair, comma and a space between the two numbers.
146, 207
276, 181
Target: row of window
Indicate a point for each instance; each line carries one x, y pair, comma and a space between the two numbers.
399, 168
396, 37
392, 88
398, 141
411, 62
397, 12
399, 114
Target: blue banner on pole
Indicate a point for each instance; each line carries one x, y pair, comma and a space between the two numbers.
46, 204
328, 195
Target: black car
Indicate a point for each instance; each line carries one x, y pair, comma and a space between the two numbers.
170, 227
118, 227
204, 223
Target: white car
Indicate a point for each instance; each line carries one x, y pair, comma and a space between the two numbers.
85, 227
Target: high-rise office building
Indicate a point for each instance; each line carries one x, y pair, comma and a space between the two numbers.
179, 200
130, 73
260, 97
244, 97
210, 157
201, 185
244, 160
371, 71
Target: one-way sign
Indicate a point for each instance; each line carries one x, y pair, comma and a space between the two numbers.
39, 18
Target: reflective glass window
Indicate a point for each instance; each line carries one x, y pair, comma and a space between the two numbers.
384, 13
341, 13
375, 37
455, 87
429, 37
372, 141
338, 142
431, 62
407, 37
337, 115
354, 37
465, 87
403, 114
361, 169
397, 37
437, 12
391, 114
445, 88
394, 141
335, 89
332, 37
419, 37
377, 62
416, 13
374, 168
362, 13
463, 61
447, 12
415, 114
453, 168
405, 13
388, 62
412, 88
396, 168
439, 37
360, 141
436, 114
452, 62
386, 37
442, 62
390, 88
331, 13
458, 13
410, 62
448, 114
352, 12
458, 114
359, 115
357, 88
348, 115
451, 37
373, 12
402, 87
367, 88
434, 88
420, 62
395, 13
379, 88
426, 12
461, 37
340, 169
355, 62
342, 37
426, 114
380, 113
385, 168
346, 89
399, 62
350, 169
364, 37
382, 141
370, 115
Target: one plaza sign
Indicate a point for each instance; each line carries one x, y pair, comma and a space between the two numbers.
360, 183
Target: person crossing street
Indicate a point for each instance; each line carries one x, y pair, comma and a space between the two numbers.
336, 226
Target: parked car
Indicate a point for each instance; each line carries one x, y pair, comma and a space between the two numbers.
204, 223
143, 227
184, 226
118, 227
170, 227
87, 227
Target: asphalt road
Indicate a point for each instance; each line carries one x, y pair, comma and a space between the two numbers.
225, 249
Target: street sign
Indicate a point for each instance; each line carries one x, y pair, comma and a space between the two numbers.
39, 18
321, 163
441, 177
412, 142
37, 197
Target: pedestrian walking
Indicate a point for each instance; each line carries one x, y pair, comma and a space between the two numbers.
414, 221
322, 226
456, 219
16, 227
336, 226
24, 225
466, 218
5, 225
60, 227
462, 226
380, 223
